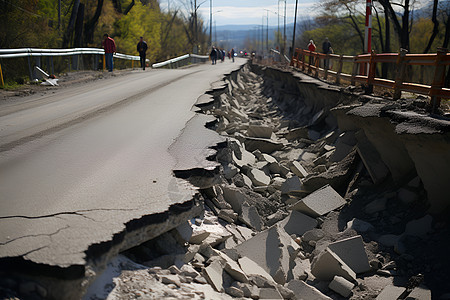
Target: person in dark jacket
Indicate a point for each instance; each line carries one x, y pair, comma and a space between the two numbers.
142, 49
326, 46
213, 55
110, 48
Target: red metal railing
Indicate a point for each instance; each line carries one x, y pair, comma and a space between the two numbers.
364, 70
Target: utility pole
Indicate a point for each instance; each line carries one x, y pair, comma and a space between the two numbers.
267, 33
295, 26
210, 23
278, 32
368, 31
59, 14
284, 36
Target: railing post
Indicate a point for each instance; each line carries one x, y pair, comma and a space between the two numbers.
339, 71
439, 79
1, 76
104, 62
371, 73
325, 66
354, 71
317, 64
401, 67
303, 59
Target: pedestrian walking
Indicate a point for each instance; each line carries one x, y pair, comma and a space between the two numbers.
223, 55
110, 49
326, 46
142, 49
312, 48
213, 55
232, 54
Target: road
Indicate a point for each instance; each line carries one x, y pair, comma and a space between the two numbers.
79, 164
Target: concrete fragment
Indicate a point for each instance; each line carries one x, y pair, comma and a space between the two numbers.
277, 182
183, 232
275, 218
285, 292
247, 181
298, 169
246, 233
229, 171
341, 286
198, 237
419, 227
352, 252
306, 291
375, 206
371, 158
245, 159
268, 158
319, 169
234, 197
314, 234
251, 268
251, 217
298, 223
214, 275
250, 291
391, 293
272, 249
407, 196
170, 279
234, 292
228, 215
328, 264
188, 271
258, 177
269, 293
359, 225
259, 131
292, 185
320, 202
389, 240
300, 269
264, 145
297, 133
420, 293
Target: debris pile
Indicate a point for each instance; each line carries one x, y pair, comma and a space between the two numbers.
302, 209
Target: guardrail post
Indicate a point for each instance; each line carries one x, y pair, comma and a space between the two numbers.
400, 74
339, 71
104, 62
30, 70
354, 71
303, 59
371, 73
326, 63
439, 79
317, 64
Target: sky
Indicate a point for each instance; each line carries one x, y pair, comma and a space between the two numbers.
250, 12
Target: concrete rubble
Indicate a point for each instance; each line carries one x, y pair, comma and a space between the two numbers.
297, 211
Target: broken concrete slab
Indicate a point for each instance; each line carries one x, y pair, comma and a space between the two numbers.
407, 196
371, 158
298, 169
299, 271
359, 225
328, 264
251, 217
258, 177
375, 206
320, 202
297, 133
292, 185
214, 275
273, 249
259, 131
264, 145
391, 292
314, 234
306, 291
234, 292
234, 197
269, 293
353, 253
251, 268
419, 227
341, 286
198, 237
298, 223
420, 293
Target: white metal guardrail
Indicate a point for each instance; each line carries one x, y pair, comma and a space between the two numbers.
36, 52
181, 60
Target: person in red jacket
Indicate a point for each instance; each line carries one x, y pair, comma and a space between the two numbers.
312, 48
110, 49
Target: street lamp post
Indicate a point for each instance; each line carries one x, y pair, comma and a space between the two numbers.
210, 23
295, 26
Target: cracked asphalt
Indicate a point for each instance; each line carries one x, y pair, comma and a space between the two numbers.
79, 164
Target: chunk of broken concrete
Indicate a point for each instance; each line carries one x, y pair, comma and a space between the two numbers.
359, 225
269, 293
264, 145
314, 234
292, 185
352, 252
375, 206
298, 169
259, 131
328, 264
320, 202
251, 217
258, 177
198, 236
420, 293
306, 291
228, 215
419, 227
341, 286
214, 275
390, 292
234, 197
234, 292
272, 249
298, 223
251, 268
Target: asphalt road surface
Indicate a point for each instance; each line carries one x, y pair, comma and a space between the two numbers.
78, 164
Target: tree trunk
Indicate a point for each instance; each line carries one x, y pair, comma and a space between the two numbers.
117, 6
69, 31
78, 40
89, 27
435, 27
129, 7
